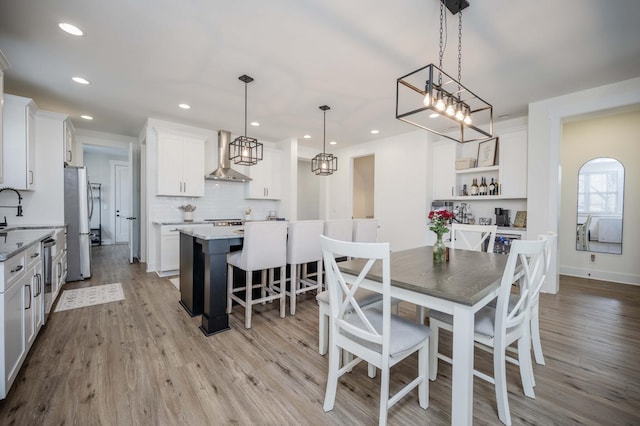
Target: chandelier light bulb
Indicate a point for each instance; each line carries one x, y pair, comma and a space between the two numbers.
450, 109
459, 114
427, 100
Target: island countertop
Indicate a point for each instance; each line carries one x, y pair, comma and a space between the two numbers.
210, 232
13, 241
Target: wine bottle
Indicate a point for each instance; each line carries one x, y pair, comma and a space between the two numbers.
483, 186
492, 188
474, 187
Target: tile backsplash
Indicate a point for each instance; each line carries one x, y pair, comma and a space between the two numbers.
222, 200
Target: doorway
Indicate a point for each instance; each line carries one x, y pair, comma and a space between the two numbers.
364, 187
121, 197
308, 207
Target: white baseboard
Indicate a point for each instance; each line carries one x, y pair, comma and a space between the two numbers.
595, 274
163, 274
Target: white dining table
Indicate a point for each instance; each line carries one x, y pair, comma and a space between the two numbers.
460, 287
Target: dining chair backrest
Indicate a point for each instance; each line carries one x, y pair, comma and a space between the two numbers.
525, 266
303, 241
342, 301
473, 237
339, 229
264, 245
365, 230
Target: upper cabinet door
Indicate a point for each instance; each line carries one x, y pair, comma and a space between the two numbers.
180, 165
513, 164
19, 139
265, 177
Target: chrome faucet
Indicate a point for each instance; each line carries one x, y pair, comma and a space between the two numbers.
19, 206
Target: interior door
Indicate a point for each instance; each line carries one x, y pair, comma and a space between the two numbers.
132, 202
122, 202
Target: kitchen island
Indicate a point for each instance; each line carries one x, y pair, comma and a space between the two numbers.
203, 273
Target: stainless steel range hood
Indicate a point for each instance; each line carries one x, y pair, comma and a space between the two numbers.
224, 172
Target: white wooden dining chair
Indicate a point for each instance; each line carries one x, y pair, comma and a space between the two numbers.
495, 329
264, 248
473, 237
375, 336
303, 247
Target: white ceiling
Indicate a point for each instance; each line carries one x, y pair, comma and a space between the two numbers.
144, 57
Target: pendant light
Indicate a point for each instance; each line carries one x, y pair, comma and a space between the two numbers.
245, 150
324, 164
431, 99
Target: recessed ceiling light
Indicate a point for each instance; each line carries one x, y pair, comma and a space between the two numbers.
254, 123
307, 136
434, 115
86, 117
333, 143
80, 80
185, 106
70, 29
375, 132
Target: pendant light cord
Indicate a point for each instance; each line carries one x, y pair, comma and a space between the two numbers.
324, 133
245, 109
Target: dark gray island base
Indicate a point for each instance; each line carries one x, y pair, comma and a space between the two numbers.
203, 274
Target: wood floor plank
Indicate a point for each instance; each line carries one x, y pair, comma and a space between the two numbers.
143, 361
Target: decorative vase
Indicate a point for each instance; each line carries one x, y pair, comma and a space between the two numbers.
188, 216
439, 251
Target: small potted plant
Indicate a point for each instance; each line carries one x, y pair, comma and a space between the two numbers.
188, 212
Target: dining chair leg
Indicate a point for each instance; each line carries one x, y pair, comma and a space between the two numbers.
433, 351
229, 287
283, 294
526, 366
323, 327
500, 378
332, 378
248, 307
384, 395
423, 371
293, 288
535, 336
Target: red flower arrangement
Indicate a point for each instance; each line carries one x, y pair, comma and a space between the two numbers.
439, 221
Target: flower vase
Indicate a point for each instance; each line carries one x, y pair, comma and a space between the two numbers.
439, 251
188, 216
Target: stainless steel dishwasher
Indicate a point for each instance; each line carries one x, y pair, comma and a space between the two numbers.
47, 267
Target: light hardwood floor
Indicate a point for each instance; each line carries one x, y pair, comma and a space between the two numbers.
143, 361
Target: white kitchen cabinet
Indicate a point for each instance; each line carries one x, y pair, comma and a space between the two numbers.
180, 165
19, 140
266, 177
513, 164
21, 311
170, 248
443, 166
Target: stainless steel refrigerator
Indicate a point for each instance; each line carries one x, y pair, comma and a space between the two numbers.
76, 216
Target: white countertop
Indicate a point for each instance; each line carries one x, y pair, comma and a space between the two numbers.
15, 240
210, 232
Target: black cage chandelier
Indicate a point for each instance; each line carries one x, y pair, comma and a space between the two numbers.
324, 164
245, 150
433, 100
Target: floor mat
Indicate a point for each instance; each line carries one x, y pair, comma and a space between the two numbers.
175, 282
89, 296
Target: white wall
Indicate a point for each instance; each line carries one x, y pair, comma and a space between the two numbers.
545, 135
402, 182
612, 136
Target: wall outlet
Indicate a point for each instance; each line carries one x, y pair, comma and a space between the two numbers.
593, 258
